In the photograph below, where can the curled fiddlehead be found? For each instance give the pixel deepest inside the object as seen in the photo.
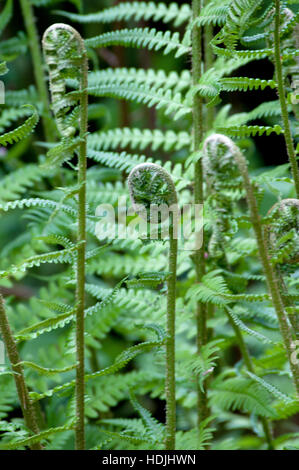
(65, 55)
(271, 278)
(221, 173)
(150, 185)
(282, 235)
(66, 58)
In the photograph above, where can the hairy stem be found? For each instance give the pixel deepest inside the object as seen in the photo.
(282, 99)
(198, 196)
(27, 407)
(34, 44)
(170, 346)
(271, 279)
(80, 293)
(208, 64)
(248, 363)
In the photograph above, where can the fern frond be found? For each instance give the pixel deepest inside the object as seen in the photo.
(22, 131)
(271, 388)
(13, 47)
(195, 439)
(142, 37)
(139, 139)
(267, 109)
(21, 97)
(154, 430)
(121, 361)
(62, 256)
(5, 15)
(45, 326)
(238, 21)
(28, 441)
(168, 101)
(3, 68)
(47, 371)
(136, 11)
(214, 13)
(248, 131)
(36, 202)
(246, 329)
(10, 115)
(19, 181)
(242, 394)
(62, 152)
(149, 77)
(245, 83)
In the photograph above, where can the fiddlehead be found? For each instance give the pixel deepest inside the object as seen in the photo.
(66, 57)
(149, 184)
(64, 53)
(283, 233)
(272, 281)
(282, 236)
(220, 172)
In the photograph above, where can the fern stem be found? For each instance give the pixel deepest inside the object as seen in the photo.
(15, 360)
(170, 345)
(282, 99)
(248, 363)
(208, 64)
(145, 182)
(80, 293)
(271, 279)
(198, 196)
(27, 12)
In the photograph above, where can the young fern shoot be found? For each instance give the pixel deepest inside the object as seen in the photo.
(282, 237)
(27, 407)
(66, 57)
(214, 147)
(151, 188)
(198, 130)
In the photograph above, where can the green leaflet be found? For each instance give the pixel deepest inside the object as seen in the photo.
(37, 438)
(22, 131)
(122, 360)
(137, 11)
(139, 37)
(62, 256)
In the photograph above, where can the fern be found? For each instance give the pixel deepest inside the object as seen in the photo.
(139, 37)
(22, 131)
(137, 11)
(77, 295)
(138, 139)
(242, 394)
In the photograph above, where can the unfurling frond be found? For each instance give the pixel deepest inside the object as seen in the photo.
(65, 55)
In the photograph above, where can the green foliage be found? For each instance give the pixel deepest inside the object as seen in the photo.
(141, 112)
(142, 37)
(137, 11)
